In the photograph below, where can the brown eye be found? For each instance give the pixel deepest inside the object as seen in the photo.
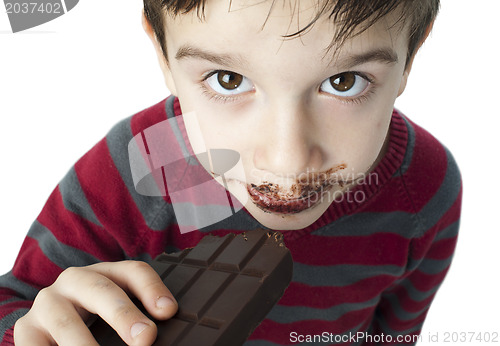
(227, 83)
(346, 84)
(229, 80)
(343, 82)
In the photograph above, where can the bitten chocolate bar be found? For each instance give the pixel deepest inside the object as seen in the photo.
(225, 287)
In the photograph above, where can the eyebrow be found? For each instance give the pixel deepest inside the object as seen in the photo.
(187, 51)
(381, 55)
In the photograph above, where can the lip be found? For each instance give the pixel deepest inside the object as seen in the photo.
(307, 192)
(275, 205)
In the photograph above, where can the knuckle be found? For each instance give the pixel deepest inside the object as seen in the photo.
(43, 296)
(139, 266)
(64, 321)
(102, 283)
(124, 312)
(69, 274)
(21, 323)
(154, 286)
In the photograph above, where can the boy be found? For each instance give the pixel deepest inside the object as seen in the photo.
(303, 93)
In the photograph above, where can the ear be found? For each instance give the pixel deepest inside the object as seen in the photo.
(406, 73)
(164, 65)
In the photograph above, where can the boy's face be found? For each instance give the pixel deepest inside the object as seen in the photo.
(305, 125)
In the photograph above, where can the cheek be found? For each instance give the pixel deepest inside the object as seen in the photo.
(374, 143)
(224, 134)
(358, 143)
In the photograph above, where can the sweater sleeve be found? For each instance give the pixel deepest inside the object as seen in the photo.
(86, 219)
(403, 307)
(63, 235)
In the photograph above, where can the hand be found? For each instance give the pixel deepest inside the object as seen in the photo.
(60, 311)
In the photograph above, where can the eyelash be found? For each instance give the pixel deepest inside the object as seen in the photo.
(212, 96)
(216, 97)
(369, 91)
(355, 101)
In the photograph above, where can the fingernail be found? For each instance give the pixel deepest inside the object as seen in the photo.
(164, 302)
(137, 328)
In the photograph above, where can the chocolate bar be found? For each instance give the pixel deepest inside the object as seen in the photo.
(225, 287)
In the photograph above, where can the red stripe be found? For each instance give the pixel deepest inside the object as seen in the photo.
(280, 333)
(41, 272)
(8, 337)
(442, 249)
(420, 246)
(397, 324)
(12, 307)
(329, 296)
(84, 235)
(375, 249)
(148, 117)
(393, 197)
(453, 214)
(410, 305)
(177, 107)
(109, 198)
(427, 169)
(425, 282)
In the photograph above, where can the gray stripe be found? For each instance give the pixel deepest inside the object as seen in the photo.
(448, 232)
(145, 257)
(433, 266)
(74, 199)
(342, 274)
(198, 216)
(22, 289)
(8, 321)
(444, 198)
(11, 300)
(169, 106)
(388, 331)
(409, 149)
(58, 253)
(400, 313)
(290, 314)
(430, 266)
(414, 293)
(365, 224)
(156, 212)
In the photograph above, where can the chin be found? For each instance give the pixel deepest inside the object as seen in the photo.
(283, 222)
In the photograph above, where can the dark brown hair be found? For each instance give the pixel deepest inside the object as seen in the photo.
(352, 17)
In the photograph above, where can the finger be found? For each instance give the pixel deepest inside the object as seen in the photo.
(65, 324)
(27, 335)
(99, 295)
(142, 281)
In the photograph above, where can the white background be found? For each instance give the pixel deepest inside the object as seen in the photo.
(64, 84)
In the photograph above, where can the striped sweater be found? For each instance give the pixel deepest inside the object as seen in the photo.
(365, 272)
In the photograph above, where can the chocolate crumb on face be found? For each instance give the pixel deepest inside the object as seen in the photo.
(271, 197)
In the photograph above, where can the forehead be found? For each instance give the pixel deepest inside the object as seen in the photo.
(269, 26)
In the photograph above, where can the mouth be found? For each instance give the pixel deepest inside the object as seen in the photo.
(273, 202)
(306, 193)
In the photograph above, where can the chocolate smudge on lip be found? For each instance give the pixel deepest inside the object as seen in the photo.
(275, 199)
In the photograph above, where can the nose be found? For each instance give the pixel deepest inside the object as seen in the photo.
(288, 144)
